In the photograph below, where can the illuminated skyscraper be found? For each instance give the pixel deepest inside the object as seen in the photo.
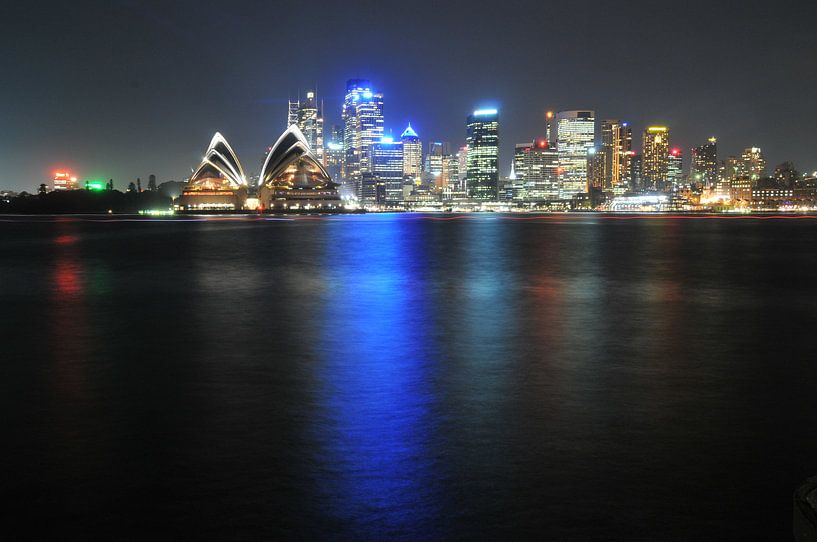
(333, 154)
(433, 167)
(482, 178)
(549, 117)
(310, 121)
(616, 147)
(535, 166)
(655, 158)
(292, 112)
(387, 166)
(448, 165)
(726, 173)
(576, 134)
(596, 170)
(753, 163)
(675, 167)
(636, 181)
(412, 153)
(705, 164)
(453, 181)
(363, 126)
(459, 184)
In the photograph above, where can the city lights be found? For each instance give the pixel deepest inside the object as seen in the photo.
(583, 163)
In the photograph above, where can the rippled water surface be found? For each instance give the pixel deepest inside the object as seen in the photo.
(400, 376)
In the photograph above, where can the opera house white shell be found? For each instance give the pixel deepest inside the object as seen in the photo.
(292, 178)
(218, 183)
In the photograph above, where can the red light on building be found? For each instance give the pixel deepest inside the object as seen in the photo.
(542, 143)
(676, 152)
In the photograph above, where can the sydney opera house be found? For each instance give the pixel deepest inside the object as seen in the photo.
(291, 178)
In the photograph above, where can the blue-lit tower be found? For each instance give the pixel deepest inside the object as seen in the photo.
(363, 126)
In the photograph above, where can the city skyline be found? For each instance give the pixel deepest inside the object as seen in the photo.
(115, 102)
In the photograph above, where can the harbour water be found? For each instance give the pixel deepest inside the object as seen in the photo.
(566, 377)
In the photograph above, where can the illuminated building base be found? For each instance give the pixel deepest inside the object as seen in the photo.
(212, 200)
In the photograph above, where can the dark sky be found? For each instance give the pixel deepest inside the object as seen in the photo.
(125, 88)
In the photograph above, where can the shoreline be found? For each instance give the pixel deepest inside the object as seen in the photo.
(249, 216)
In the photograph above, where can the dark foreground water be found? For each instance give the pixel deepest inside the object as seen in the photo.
(369, 377)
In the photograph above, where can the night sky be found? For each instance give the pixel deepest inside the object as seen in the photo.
(125, 88)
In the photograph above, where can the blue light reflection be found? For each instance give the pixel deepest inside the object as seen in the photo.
(375, 381)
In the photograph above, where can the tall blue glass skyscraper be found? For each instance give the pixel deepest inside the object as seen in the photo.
(363, 126)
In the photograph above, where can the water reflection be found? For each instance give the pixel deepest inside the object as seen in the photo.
(374, 382)
(67, 326)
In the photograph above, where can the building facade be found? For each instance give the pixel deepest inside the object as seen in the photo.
(704, 170)
(333, 151)
(576, 135)
(482, 138)
(636, 182)
(388, 167)
(596, 170)
(535, 168)
(310, 122)
(362, 127)
(412, 153)
(655, 158)
(616, 148)
(675, 168)
(753, 163)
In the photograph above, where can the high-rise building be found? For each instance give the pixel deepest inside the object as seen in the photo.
(433, 167)
(730, 169)
(704, 169)
(616, 147)
(460, 184)
(535, 167)
(388, 167)
(549, 117)
(372, 189)
(292, 112)
(363, 126)
(596, 170)
(310, 121)
(453, 180)
(636, 180)
(576, 135)
(412, 153)
(787, 175)
(482, 178)
(333, 154)
(447, 164)
(655, 157)
(514, 186)
(754, 164)
(675, 167)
